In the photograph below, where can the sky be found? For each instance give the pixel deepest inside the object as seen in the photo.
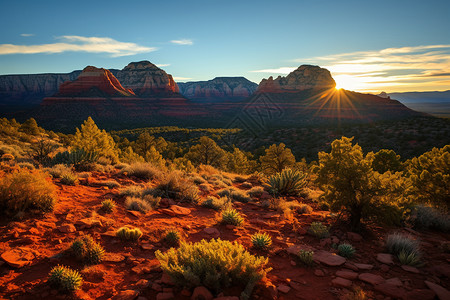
(369, 46)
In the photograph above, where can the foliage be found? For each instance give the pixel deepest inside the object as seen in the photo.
(42, 148)
(410, 259)
(141, 204)
(351, 185)
(287, 182)
(207, 152)
(129, 234)
(134, 191)
(69, 178)
(108, 206)
(397, 242)
(30, 127)
(276, 159)
(239, 162)
(78, 158)
(256, 191)
(430, 176)
(26, 165)
(306, 257)
(215, 264)
(261, 241)
(177, 186)
(65, 279)
(172, 237)
(216, 203)
(427, 217)
(26, 190)
(142, 170)
(232, 217)
(386, 160)
(87, 250)
(346, 250)
(240, 196)
(303, 208)
(319, 230)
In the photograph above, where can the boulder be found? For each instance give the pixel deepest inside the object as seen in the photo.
(385, 258)
(201, 293)
(347, 274)
(373, 279)
(126, 295)
(67, 228)
(329, 259)
(18, 257)
(441, 292)
(283, 288)
(341, 282)
(176, 211)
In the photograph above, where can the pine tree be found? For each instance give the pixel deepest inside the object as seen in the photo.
(277, 159)
(207, 152)
(30, 127)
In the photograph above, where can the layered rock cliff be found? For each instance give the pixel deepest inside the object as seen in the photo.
(218, 89)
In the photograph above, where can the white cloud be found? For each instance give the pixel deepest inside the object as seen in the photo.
(162, 65)
(182, 42)
(79, 44)
(27, 34)
(181, 78)
(282, 70)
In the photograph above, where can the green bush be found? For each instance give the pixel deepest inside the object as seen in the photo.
(58, 170)
(129, 234)
(410, 259)
(232, 217)
(108, 206)
(240, 196)
(256, 191)
(215, 264)
(306, 257)
(319, 230)
(65, 279)
(69, 178)
(261, 241)
(216, 203)
(26, 190)
(346, 250)
(142, 170)
(87, 250)
(176, 186)
(76, 157)
(287, 182)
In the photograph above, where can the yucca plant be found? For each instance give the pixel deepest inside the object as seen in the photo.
(69, 178)
(410, 259)
(108, 206)
(172, 237)
(232, 217)
(287, 182)
(64, 279)
(306, 257)
(319, 230)
(129, 234)
(75, 157)
(87, 250)
(261, 241)
(346, 250)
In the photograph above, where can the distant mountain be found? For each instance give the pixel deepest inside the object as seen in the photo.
(218, 89)
(420, 97)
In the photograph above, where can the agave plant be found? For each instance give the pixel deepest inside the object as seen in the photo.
(261, 241)
(75, 157)
(287, 182)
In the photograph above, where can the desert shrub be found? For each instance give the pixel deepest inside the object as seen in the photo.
(318, 230)
(108, 206)
(133, 191)
(287, 182)
(26, 165)
(226, 192)
(216, 203)
(204, 187)
(410, 259)
(306, 257)
(427, 217)
(397, 242)
(172, 237)
(256, 191)
(26, 190)
(69, 178)
(276, 159)
(142, 170)
(87, 250)
(58, 170)
(303, 208)
(176, 186)
(215, 264)
(356, 294)
(121, 166)
(84, 174)
(246, 185)
(232, 217)
(7, 157)
(346, 250)
(129, 234)
(261, 241)
(153, 201)
(138, 204)
(104, 161)
(240, 196)
(64, 279)
(79, 158)
(386, 160)
(240, 179)
(109, 183)
(198, 180)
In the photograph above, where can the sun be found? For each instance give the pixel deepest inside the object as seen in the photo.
(344, 82)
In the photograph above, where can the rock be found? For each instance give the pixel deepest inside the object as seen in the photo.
(157, 287)
(134, 213)
(147, 246)
(363, 266)
(394, 281)
(385, 258)
(88, 223)
(371, 278)
(201, 293)
(354, 237)
(329, 259)
(18, 257)
(283, 288)
(410, 269)
(67, 228)
(347, 274)
(229, 226)
(384, 268)
(341, 282)
(34, 231)
(319, 273)
(113, 257)
(166, 279)
(185, 292)
(423, 294)
(334, 240)
(227, 298)
(391, 290)
(295, 249)
(325, 242)
(441, 292)
(126, 295)
(165, 296)
(214, 232)
(175, 210)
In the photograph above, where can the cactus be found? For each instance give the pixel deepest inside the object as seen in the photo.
(65, 279)
(129, 234)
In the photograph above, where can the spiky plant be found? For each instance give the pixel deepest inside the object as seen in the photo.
(65, 279)
(319, 230)
(287, 182)
(75, 157)
(232, 217)
(306, 257)
(87, 250)
(129, 234)
(397, 242)
(346, 250)
(69, 178)
(410, 259)
(108, 206)
(172, 237)
(261, 241)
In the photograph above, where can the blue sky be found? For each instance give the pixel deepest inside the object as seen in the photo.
(367, 45)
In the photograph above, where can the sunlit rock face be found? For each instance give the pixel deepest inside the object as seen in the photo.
(303, 78)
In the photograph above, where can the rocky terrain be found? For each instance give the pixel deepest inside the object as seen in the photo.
(218, 89)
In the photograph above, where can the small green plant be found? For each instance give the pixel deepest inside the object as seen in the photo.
(410, 259)
(87, 250)
(216, 203)
(215, 264)
(65, 279)
(287, 182)
(346, 250)
(108, 206)
(138, 204)
(240, 196)
(306, 257)
(129, 234)
(172, 237)
(232, 217)
(319, 230)
(261, 241)
(256, 191)
(404, 247)
(69, 178)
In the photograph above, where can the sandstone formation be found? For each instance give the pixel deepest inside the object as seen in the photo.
(303, 78)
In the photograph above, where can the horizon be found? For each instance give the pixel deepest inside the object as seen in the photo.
(198, 41)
